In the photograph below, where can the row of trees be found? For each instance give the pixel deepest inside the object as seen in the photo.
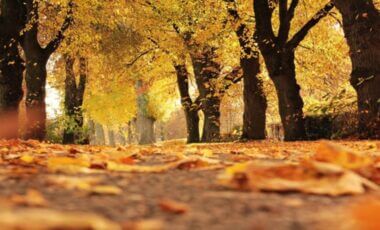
(196, 39)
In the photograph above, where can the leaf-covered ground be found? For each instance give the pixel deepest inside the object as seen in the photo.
(261, 185)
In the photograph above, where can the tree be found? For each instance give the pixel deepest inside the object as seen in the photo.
(361, 24)
(74, 93)
(11, 66)
(255, 103)
(190, 107)
(278, 51)
(36, 61)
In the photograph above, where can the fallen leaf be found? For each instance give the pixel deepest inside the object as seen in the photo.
(105, 189)
(143, 225)
(311, 177)
(87, 184)
(45, 219)
(339, 155)
(172, 206)
(31, 198)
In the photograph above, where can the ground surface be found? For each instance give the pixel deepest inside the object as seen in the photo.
(148, 189)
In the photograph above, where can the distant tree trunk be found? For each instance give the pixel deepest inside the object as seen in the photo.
(36, 60)
(145, 123)
(278, 52)
(74, 94)
(11, 67)
(361, 24)
(111, 138)
(189, 107)
(130, 134)
(206, 70)
(255, 103)
(99, 134)
(146, 130)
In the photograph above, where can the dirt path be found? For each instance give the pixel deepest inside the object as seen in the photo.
(209, 205)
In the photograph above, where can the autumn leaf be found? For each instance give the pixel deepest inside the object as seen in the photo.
(339, 155)
(312, 178)
(50, 219)
(172, 206)
(31, 198)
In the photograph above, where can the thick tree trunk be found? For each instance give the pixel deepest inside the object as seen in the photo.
(11, 74)
(281, 69)
(211, 127)
(361, 23)
(189, 107)
(36, 60)
(11, 67)
(255, 103)
(35, 97)
(206, 70)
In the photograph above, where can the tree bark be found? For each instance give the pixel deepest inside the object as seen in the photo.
(35, 97)
(278, 52)
(74, 94)
(36, 60)
(281, 69)
(11, 67)
(361, 24)
(206, 70)
(255, 102)
(189, 107)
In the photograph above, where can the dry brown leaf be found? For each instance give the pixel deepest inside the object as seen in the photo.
(31, 198)
(187, 163)
(45, 219)
(143, 225)
(174, 207)
(312, 177)
(87, 184)
(339, 155)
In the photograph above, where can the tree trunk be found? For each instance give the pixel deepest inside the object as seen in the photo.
(361, 24)
(99, 134)
(35, 97)
(70, 96)
(255, 103)
(11, 68)
(146, 130)
(211, 128)
(11, 74)
(281, 69)
(74, 94)
(190, 109)
(206, 70)
(145, 123)
(36, 60)
(111, 137)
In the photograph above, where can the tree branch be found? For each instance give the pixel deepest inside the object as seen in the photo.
(263, 15)
(54, 44)
(301, 34)
(132, 62)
